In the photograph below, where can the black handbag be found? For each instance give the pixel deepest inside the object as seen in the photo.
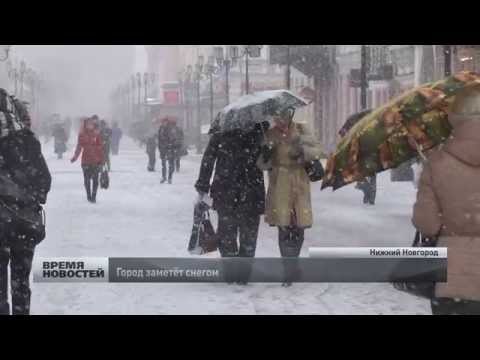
(27, 224)
(421, 289)
(203, 239)
(314, 170)
(104, 179)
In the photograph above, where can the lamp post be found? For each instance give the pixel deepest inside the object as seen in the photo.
(224, 62)
(145, 83)
(198, 76)
(132, 94)
(23, 70)
(363, 77)
(187, 84)
(248, 51)
(288, 69)
(447, 52)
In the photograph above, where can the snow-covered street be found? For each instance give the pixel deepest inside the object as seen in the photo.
(139, 217)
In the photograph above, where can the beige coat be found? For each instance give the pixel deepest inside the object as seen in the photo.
(288, 196)
(448, 204)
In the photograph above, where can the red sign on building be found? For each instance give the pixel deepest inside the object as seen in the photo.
(171, 97)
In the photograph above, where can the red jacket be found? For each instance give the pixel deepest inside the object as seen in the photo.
(90, 141)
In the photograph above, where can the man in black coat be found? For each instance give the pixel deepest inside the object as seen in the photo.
(237, 189)
(26, 182)
(168, 139)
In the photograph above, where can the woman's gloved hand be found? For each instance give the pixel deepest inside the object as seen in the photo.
(267, 151)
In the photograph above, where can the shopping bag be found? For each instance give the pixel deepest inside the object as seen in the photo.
(104, 179)
(203, 239)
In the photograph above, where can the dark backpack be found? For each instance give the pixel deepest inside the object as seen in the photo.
(23, 167)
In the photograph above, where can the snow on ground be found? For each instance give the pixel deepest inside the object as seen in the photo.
(139, 217)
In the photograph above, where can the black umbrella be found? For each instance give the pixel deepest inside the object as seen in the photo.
(255, 108)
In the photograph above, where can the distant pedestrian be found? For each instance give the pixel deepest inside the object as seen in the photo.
(179, 148)
(116, 137)
(106, 133)
(90, 145)
(151, 148)
(60, 139)
(168, 146)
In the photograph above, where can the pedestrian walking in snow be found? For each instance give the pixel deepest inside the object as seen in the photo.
(288, 148)
(447, 207)
(168, 138)
(151, 149)
(116, 137)
(25, 182)
(179, 148)
(90, 146)
(237, 189)
(106, 133)
(60, 140)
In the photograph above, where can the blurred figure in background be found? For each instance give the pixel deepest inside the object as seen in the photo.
(60, 139)
(116, 137)
(179, 148)
(168, 138)
(106, 133)
(151, 148)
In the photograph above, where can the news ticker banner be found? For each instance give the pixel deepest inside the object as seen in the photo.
(323, 265)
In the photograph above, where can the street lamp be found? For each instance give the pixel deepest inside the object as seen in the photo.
(132, 94)
(4, 51)
(23, 70)
(223, 62)
(145, 83)
(248, 51)
(187, 94)
(139, 88)
(198, 76)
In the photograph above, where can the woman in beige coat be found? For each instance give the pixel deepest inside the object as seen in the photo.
(288, 148)
(448, 206)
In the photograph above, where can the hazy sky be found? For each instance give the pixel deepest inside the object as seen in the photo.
(82, 76)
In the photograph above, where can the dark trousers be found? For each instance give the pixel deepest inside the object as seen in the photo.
(90, 178)
(115, 147)
(369, 189)
(170, 158)
(290, 241)
(446, 306)
(177, 163)
(152, 159)
(20, 260)
(245, 228)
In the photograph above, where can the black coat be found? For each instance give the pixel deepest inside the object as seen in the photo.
(21, 158)
(170, 138)
(237, 186)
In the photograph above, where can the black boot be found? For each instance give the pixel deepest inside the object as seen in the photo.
(89, 194)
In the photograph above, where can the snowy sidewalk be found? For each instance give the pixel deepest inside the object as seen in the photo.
(139, 217)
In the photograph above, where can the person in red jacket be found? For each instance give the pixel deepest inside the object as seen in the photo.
(90, 145)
